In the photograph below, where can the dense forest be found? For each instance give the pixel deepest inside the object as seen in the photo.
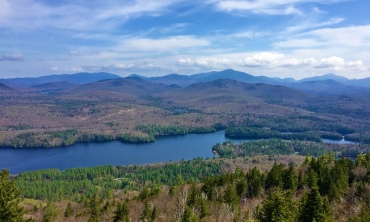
(143, 134)
(74, 184)
(320, 189)
(284, 147)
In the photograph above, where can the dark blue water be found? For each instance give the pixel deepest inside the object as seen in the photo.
(114, 152)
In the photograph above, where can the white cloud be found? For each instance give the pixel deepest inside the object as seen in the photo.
(269, 7)
(338, 63)
(11, 57)
(73, 52)
(54, 68)
(76, 69)
(163, 44)
(248, 34)
(270, 60)
(205, 62)
(313, 24)
(76, 15)
(353, 36)
(261, 59)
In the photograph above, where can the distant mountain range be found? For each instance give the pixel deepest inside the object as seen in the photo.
(329, 76)
(54, 86)
(325, 84)
(78, 79)
(185, 80)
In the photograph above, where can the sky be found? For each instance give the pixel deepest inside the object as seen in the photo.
(275, 38)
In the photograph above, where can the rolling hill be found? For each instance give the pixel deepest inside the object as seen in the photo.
(359, 82)
(327, 86)
(185, 80)
(78, 78)
(4, 87)
(328, 76)
(54, 86)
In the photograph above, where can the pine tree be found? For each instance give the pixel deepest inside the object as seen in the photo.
(241, 188)
(312, 207)
(51, 212)
(144, 194)
(94, 208)
(145, 215)
(9, 199)
(274, 176)
(301, 180)
(307, 160)
(254, 182)
(324, 181)
(122, 213)
(334, 193)
(204, 210)
(311, 178)
(69, 211)
(189, 216)
(193, 196)
(279, 206)
(231, 196)
(290, 178)
(340, 178)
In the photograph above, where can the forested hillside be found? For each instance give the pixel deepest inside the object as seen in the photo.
(317, 189)
(120, 108)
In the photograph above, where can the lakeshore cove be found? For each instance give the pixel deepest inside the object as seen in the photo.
(88, 154)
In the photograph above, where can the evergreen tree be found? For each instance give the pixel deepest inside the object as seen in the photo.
(290, 178)
(301, 180)
(274, 177)
(204, 210)
(9, 199)
(94, 208)
(189, 216)
(122, 213)
(279, 206)
(325, 181)
(311, 178)
(334, 193)
(254, 181)
(193, 196)
(69, 211)
(144, 194)
(312, 207)
(145, 215)
(51, 212)
(241, 188)
(340, 178)
(231, 196)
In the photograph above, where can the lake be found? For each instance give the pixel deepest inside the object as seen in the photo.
(114, 153)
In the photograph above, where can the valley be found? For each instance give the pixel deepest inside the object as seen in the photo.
(85, 151)
(116, 108)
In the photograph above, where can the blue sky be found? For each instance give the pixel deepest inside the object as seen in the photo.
(279, 38)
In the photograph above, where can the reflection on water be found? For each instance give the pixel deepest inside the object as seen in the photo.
(342, 141)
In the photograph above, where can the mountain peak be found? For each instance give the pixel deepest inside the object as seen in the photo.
(137, 75)
(327, 76)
